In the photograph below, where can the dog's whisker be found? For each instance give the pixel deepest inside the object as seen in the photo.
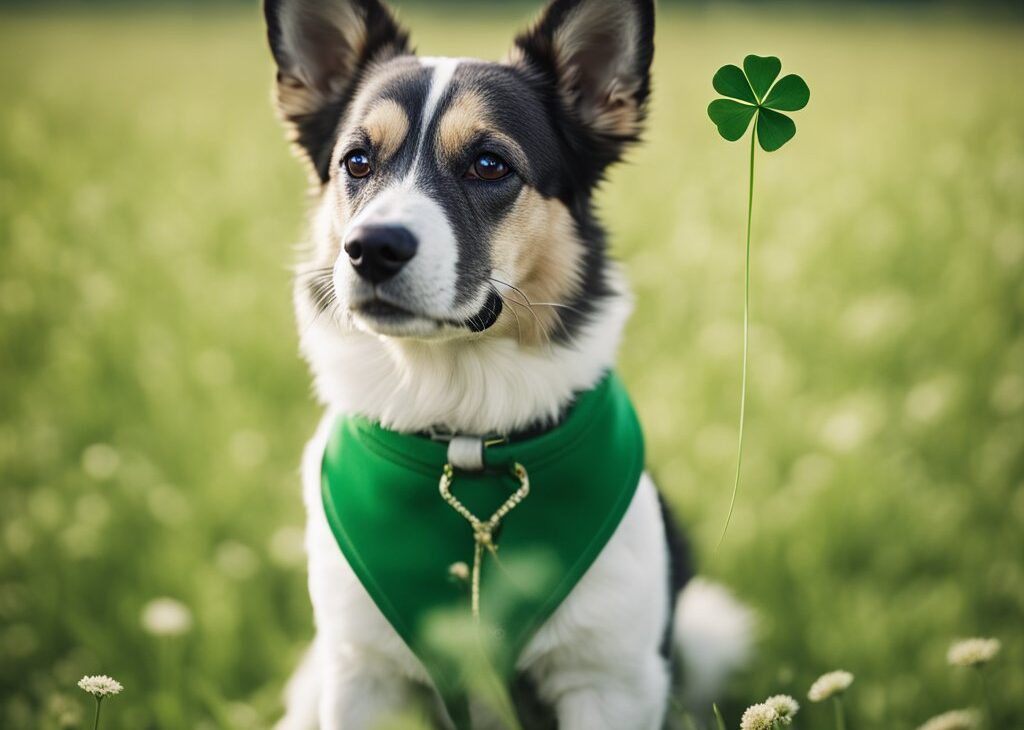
(314, 273)
(528, 308)
(545, 335)
(322, 303)
(519, 327)
(557, 305)
(513, 287)
(319, 283)
(532, 303)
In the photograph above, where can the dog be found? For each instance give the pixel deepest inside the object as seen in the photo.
(457, 278)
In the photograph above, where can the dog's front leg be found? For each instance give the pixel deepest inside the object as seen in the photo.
(358, 697)
(365, 668)
(597, 660)
(636, 702)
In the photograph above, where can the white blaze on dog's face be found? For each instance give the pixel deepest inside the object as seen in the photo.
(454, 193)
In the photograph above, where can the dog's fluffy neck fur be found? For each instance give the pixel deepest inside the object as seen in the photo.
(473, 386)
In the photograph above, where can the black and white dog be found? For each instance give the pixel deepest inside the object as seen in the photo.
(458, 277)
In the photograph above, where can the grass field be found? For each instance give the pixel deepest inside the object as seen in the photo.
(153, 408)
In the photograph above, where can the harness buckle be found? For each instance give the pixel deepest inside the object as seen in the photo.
(466, 453)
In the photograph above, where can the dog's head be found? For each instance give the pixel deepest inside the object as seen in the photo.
(455, 194)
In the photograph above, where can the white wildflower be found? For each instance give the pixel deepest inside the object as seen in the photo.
(166, 617)
(459, 571)
(759, 717)
(100, 686)
(785, 707)
(288, 547)
(954, 720)
(236, 560)
(845, 430)
(973, 652)
(100, 461)
(830, 685)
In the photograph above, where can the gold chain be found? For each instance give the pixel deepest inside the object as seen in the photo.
(483, 532)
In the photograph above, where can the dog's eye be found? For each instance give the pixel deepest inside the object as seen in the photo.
(358, 163)
(488, 166)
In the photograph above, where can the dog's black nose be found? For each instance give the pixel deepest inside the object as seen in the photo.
(379, 252)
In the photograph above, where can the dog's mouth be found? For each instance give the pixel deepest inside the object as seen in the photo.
(380, 310)
(487, 315)
(390, 318)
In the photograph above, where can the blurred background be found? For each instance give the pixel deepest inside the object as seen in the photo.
(153, 406)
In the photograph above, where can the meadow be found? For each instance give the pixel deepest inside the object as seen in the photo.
(153, 406)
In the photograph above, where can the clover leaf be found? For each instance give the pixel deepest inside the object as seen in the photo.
(751, 94)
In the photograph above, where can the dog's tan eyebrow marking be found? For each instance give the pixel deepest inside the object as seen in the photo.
(466, 119)
(462, 121)
(387, 126)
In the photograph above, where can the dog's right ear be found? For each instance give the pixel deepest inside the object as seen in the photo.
(322, 48)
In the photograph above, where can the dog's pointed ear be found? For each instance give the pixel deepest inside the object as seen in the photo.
(597, 54)
(321, 48)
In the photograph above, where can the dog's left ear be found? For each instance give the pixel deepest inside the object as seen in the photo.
(598, 54)
(322, 48)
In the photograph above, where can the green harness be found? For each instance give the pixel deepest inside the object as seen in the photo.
(384, 496)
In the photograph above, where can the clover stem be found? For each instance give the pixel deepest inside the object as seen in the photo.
(96, 718)
(840, 715)
(746, 334)
(986, 700)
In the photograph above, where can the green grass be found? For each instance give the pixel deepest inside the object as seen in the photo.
(153, 408)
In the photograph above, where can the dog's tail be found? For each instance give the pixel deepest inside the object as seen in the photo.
(714, 637)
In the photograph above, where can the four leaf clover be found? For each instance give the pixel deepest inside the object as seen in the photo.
(751, 94)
